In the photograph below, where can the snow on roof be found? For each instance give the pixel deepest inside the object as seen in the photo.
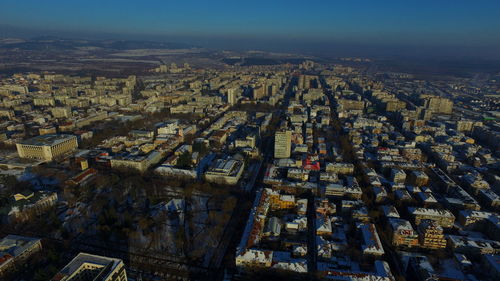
(173, 206)
(300, 250)
(400, 224)
(382, 272)
(288, 198)
(390, 211)
(426, 197)
(324, 224)
(256, 255)
(475, 214)
(430, 212)
(283, 260)
(14, 245)
(371, 240)
(83, 260)
(472, 242)
(413, 189)
(324, 248)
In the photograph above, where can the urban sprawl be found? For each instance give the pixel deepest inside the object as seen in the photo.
(303, 171)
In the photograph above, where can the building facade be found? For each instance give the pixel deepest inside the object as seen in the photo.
(15, 251)
(282, 144)
(444, 218)
(402, 233)
(47, 147)
(431, 235)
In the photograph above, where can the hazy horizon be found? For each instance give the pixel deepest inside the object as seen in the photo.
(424, 29)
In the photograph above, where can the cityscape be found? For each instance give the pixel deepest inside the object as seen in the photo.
(134, 158)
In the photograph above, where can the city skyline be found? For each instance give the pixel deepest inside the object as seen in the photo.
(258, 140)
(362, 28)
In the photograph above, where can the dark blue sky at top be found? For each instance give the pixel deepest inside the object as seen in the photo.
(459, 23)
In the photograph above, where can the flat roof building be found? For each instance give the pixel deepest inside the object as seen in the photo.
(47, 147)
(226, 171)
(138, 163)
(92, 267)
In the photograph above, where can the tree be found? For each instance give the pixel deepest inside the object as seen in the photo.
(53, 219)
(22, 186)
(139, 86)
(228, 204)
(201, 148)
(45, 273)
(180, 238)
(8, 181)
(184, 160)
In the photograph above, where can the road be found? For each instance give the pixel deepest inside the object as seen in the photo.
(234, 230)
(312, 248)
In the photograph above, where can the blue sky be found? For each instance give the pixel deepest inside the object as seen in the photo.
(403, 22)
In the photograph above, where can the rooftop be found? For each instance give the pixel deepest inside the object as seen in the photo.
(102, 263)
(12, 246)
(51, 139)
(431, 212)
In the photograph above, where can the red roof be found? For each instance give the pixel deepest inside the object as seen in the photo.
(311, 165)
(5, 258)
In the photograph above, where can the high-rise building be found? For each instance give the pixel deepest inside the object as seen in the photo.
(307, 82)
(60, 112)
(92, 267)
(259, 92)
(231, 96)
(437, 104)
(282, 144)
(272, 89)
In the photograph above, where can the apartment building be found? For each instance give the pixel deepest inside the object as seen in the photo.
(282, 144)
(402, 233)
(431, 235)
(444, 218)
